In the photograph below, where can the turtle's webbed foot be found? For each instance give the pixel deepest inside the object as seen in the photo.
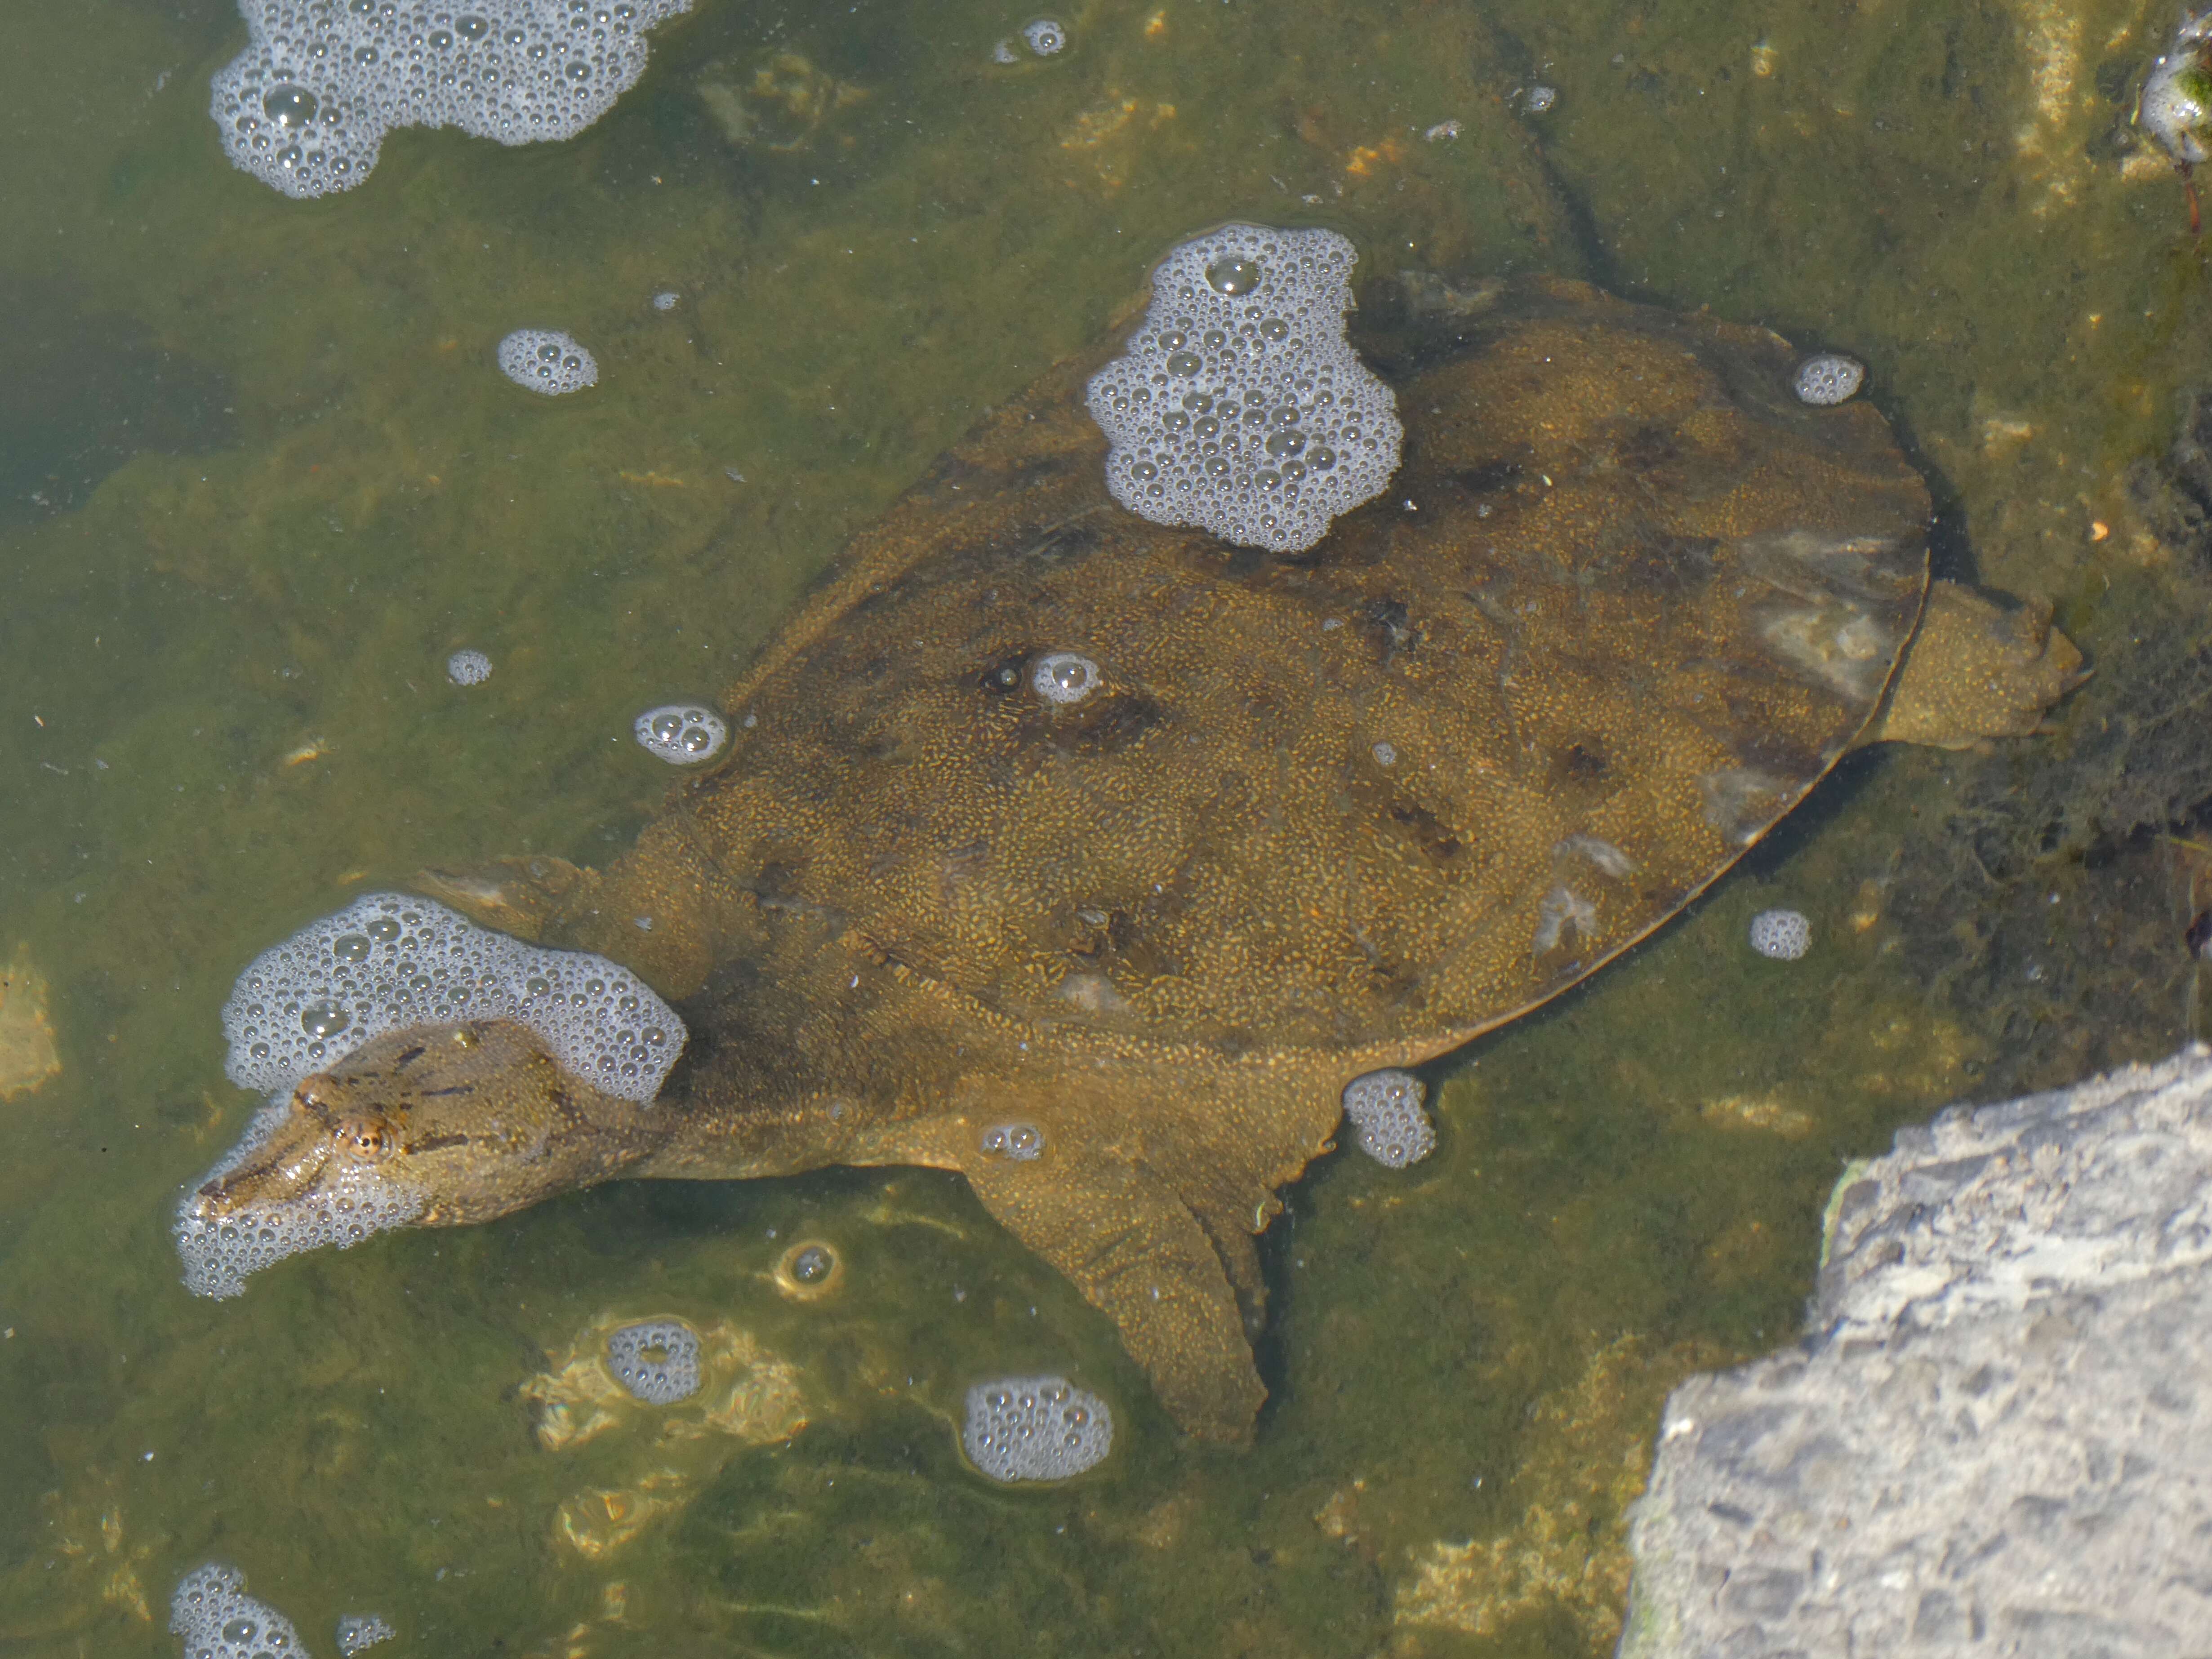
(1139, 1256)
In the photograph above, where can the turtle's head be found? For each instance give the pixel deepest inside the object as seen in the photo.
(431, 1126)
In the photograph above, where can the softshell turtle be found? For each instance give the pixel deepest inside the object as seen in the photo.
(1093, 858)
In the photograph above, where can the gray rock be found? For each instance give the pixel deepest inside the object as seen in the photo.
(1997, 1439)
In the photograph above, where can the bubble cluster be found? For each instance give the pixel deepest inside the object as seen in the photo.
(682, 733)
(1827, 378)
(1035, 1428)
(665, 300)
(1063, 677)
(468, 668)
(1385, 1109)
(1241, 407)
(547, 361)
(1018, 1141)
(1045, 36)
(357, 1630)
(388, 961)
(351, 1201)
(1783, 935)
(306, 105)
(656, 1359)
(219, 1620)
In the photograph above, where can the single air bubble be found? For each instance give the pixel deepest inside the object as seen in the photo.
(1045, 36)
(1274, 328)
(288, 106)
(351, 947)
(1061, 676)
(322, 1020)
(468, 668)
(1233, 275)
(683, 734)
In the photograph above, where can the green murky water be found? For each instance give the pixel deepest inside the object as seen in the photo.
(259, 477)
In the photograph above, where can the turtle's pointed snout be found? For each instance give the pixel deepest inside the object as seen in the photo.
(285, 1167)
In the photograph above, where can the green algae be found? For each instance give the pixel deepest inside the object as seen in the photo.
(225, 712)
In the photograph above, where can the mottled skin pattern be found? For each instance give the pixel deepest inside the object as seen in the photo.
(1625, 602)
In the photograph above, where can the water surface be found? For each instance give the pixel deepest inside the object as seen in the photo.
(259, 477)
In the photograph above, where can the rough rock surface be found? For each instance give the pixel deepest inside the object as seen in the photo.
(1998, 1438)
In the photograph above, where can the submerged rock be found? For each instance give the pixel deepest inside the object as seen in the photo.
(1995, 1441)
(28, 1054)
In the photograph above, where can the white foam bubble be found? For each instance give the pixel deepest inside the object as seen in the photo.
(468, 668)
(1063, 677)
(682, 733)
(1019, 1141)
(219, 1620)
(1781, 935)
(1241, 407)
(656, 1359)
(388, 961)
(547, 361)
(1045, 36)
(305, 107)
(1828, 378)
(1035, 1428)
(1385, 1110)
(357, 1630)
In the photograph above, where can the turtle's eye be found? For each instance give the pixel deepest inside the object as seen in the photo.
(367, 1139)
